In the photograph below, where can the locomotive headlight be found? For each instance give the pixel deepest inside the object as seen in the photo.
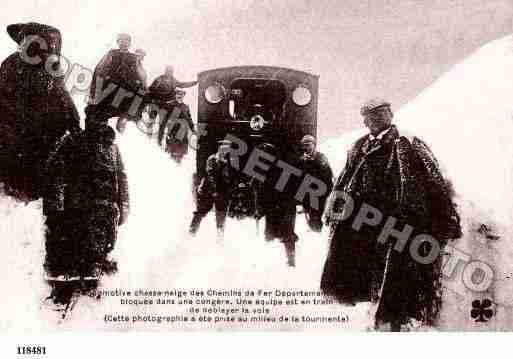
(214, 93)
(256, 123)
(301, 95)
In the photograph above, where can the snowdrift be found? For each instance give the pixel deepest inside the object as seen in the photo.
(155, 251)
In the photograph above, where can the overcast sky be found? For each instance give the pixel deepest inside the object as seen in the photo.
(360, 49)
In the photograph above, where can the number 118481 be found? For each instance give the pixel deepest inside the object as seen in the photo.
(31, 350)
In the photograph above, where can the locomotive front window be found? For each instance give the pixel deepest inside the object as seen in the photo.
(265, 97)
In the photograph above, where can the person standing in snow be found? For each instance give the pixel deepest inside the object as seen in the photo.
(215, 189)
(399, 177)
(36, 109)
(315, 164)
(277, 207)
(176, 127)
(85, 202)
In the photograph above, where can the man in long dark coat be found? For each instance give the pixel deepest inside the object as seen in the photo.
(35, 107)
(389, 177)
(85, 202)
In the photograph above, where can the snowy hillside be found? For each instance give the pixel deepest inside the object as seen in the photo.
(467, 119)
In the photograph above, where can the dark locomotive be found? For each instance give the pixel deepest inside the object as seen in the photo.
(258, 105)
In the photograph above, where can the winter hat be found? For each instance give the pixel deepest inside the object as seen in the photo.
(372, 105)
(50, 34)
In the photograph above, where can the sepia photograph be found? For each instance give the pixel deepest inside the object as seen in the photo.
(255, 166)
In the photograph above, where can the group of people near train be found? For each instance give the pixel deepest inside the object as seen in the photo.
(79, 175)
(163, 99)
(389, 210)
(222, 184)
(78, 172)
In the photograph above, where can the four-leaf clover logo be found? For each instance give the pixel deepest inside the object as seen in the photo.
(481, 310)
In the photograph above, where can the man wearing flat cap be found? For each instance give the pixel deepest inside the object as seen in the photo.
(215, 189)
(393, 179)
(316, 165)
(35, 107)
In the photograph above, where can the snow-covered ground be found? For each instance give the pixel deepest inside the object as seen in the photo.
(467, 119)
(154, 251)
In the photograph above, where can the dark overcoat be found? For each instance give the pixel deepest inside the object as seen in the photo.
(86, 200)
(35, 111)
(118, 72)
(400, 177)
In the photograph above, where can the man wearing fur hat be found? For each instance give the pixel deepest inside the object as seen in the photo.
(35, 107)
(394, 179)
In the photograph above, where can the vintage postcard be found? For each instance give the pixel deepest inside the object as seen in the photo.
(297, 166)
